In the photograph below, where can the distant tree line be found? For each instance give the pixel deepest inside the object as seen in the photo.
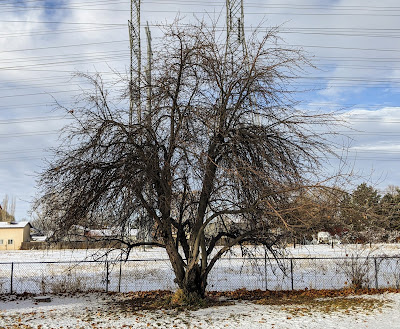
(362, 215)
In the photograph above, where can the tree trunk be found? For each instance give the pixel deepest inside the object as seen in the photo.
(194, 283)
(189, 279)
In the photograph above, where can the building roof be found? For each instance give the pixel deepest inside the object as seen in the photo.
(13, 224)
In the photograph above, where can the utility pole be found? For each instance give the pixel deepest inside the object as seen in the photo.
(149, 223)
(235, 27)
(235, 39)
(145, 223)
(148, 72)
(136, 61)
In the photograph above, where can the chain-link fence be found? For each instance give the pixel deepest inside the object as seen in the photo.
(228, 274)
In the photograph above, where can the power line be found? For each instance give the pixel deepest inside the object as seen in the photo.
(65, 46)
(47, 32)
(121, 52)
(301, 87)
(221, 3)
(355, 10)
(349, 119)
(30, 134)
(44, 93)
(387, 33)
(33, 119)
(76, 61)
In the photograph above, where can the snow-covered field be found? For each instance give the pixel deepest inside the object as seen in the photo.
(98, 311)
(314, 266)
(310, 251)
(148, 270)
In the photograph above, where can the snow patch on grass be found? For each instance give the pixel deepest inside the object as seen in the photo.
(97, 310)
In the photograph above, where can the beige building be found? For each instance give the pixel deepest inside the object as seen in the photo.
(13, 234)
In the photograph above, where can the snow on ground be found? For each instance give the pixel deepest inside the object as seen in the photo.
(341, 250)
(97, 310)
(67, 255)
(91, 310)
(308, 251)
(151, 270)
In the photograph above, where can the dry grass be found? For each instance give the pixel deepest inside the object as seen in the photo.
(294, 302)
(164, 299)
(345, 305)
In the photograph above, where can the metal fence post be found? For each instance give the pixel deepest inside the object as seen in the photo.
(12, 276)
(120, 274)
(107, 268)
(376, 273)
(265, 270)
(291, 272)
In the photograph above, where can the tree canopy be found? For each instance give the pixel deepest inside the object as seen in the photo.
(369, 216)
(212, 161)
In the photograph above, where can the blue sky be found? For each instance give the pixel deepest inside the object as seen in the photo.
(355, 45)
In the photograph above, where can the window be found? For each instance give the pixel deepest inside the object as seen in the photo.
(1, 242)
(10, 241)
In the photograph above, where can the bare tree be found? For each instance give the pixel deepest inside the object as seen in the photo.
(315, 210)
(7, 209)
(210, 165)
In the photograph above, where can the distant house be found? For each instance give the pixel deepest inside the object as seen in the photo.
(328, 238)
(12, 234)
(324, 237)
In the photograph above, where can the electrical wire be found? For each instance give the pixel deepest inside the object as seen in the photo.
(37, 63)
